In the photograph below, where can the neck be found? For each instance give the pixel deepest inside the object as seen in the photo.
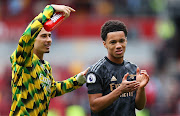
(118, 60)
(39, 55)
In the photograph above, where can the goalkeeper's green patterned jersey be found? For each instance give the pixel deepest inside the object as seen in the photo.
(32, 82)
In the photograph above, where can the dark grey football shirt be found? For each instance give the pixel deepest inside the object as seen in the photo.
(105, 76)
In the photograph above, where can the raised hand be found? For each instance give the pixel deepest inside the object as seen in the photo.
(62, 8)
(142, 77)
(128, 86)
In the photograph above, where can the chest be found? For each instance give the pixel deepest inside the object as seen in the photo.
(112, 77)
(116, 74)
(42, 73)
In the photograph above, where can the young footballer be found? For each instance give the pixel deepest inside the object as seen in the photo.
(115, 86)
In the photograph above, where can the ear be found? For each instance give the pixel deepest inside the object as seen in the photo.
(104, 43)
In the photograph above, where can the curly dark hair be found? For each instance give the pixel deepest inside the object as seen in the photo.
(112, 26)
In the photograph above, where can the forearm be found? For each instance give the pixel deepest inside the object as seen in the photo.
(36, 25)
(103, 102)
(61, 87)
(140, 98)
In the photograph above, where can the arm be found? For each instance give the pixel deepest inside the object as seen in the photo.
(59, 88)
(143, 78)
(99, 102)
(23, 54)
(24, 51)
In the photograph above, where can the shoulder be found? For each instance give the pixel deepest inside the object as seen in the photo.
(130, 66)
(95, 71)
(97, 66)
(12, 57)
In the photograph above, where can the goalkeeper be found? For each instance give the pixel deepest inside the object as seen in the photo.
(32, 82)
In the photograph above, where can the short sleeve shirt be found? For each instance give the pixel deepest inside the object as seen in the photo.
(105, 76)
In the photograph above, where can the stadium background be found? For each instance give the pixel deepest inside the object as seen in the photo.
(153, 44)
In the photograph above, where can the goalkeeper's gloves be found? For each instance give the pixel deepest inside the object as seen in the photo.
(81, 76)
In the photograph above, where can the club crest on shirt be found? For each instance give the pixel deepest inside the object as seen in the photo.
(131, 76)
(91, 78)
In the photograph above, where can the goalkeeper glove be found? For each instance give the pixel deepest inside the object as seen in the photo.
(81, 76)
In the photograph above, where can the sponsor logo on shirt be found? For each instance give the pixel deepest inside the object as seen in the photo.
(113, 78)
(132, 77)
(115, 85)
(45, 82)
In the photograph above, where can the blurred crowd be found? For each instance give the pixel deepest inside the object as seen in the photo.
(155, 22)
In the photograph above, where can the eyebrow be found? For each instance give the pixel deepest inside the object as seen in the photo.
(46, 34)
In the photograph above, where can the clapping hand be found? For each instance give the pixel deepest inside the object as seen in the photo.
(142, 77)
(128, 86)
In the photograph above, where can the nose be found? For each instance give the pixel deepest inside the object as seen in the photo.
(118, 45)
(49, 39)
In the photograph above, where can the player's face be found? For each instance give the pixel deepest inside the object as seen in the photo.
(43, 42)
(116, 45)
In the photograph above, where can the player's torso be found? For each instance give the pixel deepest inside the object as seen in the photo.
(43, 74)
(112, 75)
(32, 89)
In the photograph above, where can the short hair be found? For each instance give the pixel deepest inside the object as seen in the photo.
(112, 26)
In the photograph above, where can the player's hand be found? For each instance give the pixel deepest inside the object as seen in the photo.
(142, 77)
(66, 10)
(81, 76)
(128, 86)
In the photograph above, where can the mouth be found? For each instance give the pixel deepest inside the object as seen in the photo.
(119, 52)
(48, 46)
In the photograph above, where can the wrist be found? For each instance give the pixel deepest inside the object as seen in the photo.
(118, 92)
(53, 8)
(141, 88)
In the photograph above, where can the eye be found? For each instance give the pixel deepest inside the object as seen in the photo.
(112, 42)
(43, 35)
(122, 40)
